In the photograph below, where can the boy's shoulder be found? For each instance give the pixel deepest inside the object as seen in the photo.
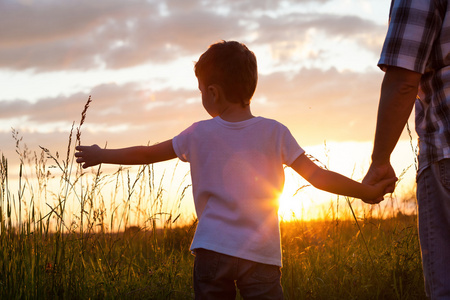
(216, 125)
(255, 120)
(257, 123)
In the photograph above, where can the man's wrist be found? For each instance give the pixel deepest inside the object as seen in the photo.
(378, 160)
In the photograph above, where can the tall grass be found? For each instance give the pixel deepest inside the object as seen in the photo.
(70, 234)
(327, 260)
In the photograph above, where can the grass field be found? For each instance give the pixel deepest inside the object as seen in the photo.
(322, 260)
(65, 234)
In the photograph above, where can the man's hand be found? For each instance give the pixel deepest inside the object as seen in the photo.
(377, 173)
(88, 155)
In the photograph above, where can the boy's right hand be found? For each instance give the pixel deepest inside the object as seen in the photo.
(88, 155)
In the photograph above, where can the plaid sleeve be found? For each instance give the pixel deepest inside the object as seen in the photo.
(413, 27)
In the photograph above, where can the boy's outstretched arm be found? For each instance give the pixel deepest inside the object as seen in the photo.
(139, 155)
(336, 183)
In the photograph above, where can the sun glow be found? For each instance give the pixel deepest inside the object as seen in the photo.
(301, 201)
(293, 204)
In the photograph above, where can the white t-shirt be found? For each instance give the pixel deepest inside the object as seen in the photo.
(237, 177)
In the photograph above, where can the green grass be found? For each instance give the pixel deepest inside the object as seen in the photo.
(66, 234)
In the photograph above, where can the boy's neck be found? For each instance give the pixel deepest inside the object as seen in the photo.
(236, 113)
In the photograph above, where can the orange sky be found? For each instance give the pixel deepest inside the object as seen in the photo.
(317, 64)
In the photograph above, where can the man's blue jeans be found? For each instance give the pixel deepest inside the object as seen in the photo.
(217, 275)
(433, 196)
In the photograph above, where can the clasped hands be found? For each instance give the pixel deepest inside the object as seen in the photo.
(376, 173)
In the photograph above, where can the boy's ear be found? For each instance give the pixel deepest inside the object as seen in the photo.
(214, 90)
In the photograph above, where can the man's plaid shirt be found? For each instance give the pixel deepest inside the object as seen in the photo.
(418, 39)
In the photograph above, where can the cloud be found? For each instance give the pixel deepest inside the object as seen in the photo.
(128, 105)
(297, 32)
(50, 20)
(52, 35)
(323, 105)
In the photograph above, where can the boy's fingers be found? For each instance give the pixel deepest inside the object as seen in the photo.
(82, 148)
(390, 188)
(373, 201)
(391, 182)
(389, 185)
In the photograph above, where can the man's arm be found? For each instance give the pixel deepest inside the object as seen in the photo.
(138, 155)
(398, 93)
(336, 183)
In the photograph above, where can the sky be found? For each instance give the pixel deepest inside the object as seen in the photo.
(317, 62)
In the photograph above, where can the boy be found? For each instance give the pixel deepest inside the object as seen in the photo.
(236, 163)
